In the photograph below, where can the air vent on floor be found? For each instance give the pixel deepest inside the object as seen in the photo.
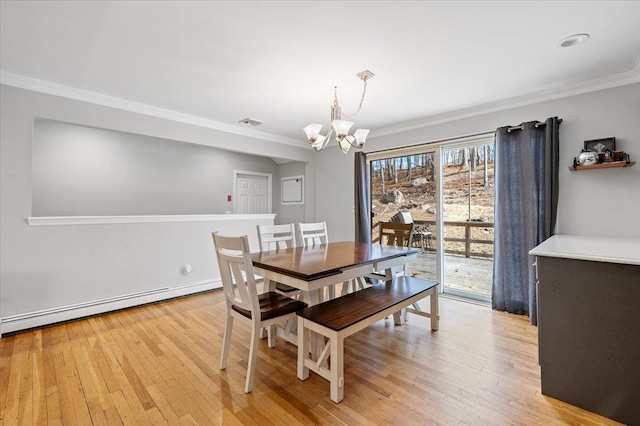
(251, 122)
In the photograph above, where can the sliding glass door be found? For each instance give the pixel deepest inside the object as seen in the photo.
(403, 189)
(468, 194)
(447, 191)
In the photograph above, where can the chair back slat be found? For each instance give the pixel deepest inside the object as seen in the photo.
(396, 234)
(314, 233)
(236, 271)
(276, 237)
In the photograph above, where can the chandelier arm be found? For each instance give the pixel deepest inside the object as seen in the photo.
(364, 92)
(328, 138)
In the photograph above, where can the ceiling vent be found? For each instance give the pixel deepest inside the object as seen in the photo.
(251, 121)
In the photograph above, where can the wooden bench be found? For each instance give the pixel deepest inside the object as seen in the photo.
(341, 317)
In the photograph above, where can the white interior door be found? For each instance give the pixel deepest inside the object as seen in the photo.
(252, 194)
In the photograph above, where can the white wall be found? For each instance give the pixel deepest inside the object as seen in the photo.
(45, 269)
(51, 267)
(592, 202)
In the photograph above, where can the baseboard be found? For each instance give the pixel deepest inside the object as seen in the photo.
(43, 317)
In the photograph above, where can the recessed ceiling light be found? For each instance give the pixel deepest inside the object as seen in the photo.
(574, 40)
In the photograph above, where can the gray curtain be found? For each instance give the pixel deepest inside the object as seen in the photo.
(526, 179)
(361, 201)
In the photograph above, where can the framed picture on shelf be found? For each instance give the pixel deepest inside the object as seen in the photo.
(600, 145)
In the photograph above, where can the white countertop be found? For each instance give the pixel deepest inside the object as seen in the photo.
(597, 249)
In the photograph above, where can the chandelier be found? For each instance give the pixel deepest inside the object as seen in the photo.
(338, 125)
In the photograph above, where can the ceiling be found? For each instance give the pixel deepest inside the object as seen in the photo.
(277, 61)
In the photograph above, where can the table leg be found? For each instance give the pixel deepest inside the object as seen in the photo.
(331, 292)
(316, 340)
(270, 285)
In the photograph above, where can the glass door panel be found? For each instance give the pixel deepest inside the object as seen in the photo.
(468, 194)
(404, 189)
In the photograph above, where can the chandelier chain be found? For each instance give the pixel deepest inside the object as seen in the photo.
(364, 92)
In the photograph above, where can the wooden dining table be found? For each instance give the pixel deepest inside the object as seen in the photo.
(312, 268)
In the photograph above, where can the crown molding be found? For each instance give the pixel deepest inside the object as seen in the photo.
(622, 79)
(55, 89)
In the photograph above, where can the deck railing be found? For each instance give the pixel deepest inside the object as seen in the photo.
(467, 240)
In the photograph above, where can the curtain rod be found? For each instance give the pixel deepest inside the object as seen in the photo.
(538, 124)
(439, 141)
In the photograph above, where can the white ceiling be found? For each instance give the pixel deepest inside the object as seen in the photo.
(278, 61)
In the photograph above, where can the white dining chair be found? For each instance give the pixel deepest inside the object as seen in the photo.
(313, 233)
(243, 301)
(279, 237)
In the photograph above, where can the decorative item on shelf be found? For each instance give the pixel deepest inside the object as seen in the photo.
(586, 158)
(620, 156)
(600, 145)
(602, 153)
(341, 127)
(614, 159)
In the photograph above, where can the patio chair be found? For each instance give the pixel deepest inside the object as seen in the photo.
(421, 233)
(394, 234)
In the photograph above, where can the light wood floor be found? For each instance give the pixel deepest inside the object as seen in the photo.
(159, 364)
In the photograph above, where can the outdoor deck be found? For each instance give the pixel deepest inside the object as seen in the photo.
(460, 273)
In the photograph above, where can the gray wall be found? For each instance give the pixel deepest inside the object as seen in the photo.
(51, 267)
(85, 171)
(592, 202)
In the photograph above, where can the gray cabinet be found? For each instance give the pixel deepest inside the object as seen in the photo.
(589, 333)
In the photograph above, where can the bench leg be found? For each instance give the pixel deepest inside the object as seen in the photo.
(337, 367)
(303, 350)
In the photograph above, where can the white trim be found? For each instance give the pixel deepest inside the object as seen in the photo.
(269, 189)
(622, 79)
(69, 312)
(96, 98)
(102, 220)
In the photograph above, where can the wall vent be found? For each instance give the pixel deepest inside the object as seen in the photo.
(251, 122)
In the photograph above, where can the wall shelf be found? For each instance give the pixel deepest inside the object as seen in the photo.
(604, 165)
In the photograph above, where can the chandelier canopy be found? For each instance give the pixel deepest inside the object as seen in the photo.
(338, 125)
